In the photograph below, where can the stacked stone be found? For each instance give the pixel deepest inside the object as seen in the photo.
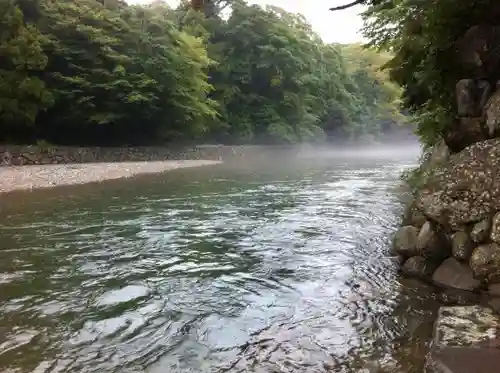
(451, 231)
(477, 93)
(465, 258)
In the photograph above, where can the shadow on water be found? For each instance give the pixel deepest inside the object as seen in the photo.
(245, 267)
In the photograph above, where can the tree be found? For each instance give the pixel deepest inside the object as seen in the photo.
(423, 36)
(106, 73)
(359, 2)
(22, 93)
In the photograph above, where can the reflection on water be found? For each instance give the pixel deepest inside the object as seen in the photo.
(224, 269)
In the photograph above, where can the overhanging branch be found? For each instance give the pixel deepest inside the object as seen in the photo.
(346, 6)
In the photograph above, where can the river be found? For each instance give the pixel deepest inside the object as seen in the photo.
(275, 267)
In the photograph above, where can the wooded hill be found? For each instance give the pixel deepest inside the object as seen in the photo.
(93, 72)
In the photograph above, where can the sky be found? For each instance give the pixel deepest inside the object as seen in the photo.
(341, 26)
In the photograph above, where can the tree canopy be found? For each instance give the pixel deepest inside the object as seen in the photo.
(423, 36)
(107, 73)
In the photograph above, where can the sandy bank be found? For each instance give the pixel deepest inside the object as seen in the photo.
(30, 177)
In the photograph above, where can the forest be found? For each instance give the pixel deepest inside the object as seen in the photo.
(103, 72)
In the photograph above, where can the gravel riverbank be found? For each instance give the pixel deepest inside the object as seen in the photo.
(31, 177)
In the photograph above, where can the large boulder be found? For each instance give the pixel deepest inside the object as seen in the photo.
(405, 241)
(453, 274)
(465, 189)
(485, 262)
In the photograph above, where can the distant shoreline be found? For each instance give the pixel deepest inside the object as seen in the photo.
(18, 178)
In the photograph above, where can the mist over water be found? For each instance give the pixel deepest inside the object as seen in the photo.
(268, 266)
(404, 150)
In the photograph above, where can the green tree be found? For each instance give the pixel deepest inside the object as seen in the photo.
(106, 73)
(22, 59)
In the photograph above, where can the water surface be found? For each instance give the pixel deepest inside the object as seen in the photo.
(279, 267)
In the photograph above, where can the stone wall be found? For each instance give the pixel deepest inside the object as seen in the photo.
(451, 230)
(14, 155)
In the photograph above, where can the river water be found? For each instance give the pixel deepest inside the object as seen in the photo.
(275, 267)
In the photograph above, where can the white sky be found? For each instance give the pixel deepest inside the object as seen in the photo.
(342, 26)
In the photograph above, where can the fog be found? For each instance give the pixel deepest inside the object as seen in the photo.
(406, 149)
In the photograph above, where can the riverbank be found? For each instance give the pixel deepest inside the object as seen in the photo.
(45, 176)
(24, 155)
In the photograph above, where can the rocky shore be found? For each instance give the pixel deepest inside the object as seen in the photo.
(450, 234)
(46, 154)
(451, 230)
(44, 165)
(45, 176)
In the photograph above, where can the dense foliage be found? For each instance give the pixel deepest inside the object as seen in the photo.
(104, 72)
(423, 36)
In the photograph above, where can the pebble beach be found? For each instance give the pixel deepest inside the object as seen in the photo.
(14, 178)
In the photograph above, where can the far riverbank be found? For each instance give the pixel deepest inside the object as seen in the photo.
(46, 176)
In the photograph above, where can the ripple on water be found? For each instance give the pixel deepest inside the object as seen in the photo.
(280, 271)
(123, 295)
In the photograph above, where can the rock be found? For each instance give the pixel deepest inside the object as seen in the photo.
(480, 231)
(425, 236)
(6, 159)
(418, 266)
(453, 274)
(494, 290)
(18, 161)
(471, 97)
(465, 131)
(461, 245)
(464, 326)
(413, 216)
(463, 360)
(405, 241)
(494, 303)
(485, 262)
(495, 228)
(464, 93)
(461, 335)
(478, 56)
(492, 112)
(30, 157)
(432, 244)
(464, 190)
